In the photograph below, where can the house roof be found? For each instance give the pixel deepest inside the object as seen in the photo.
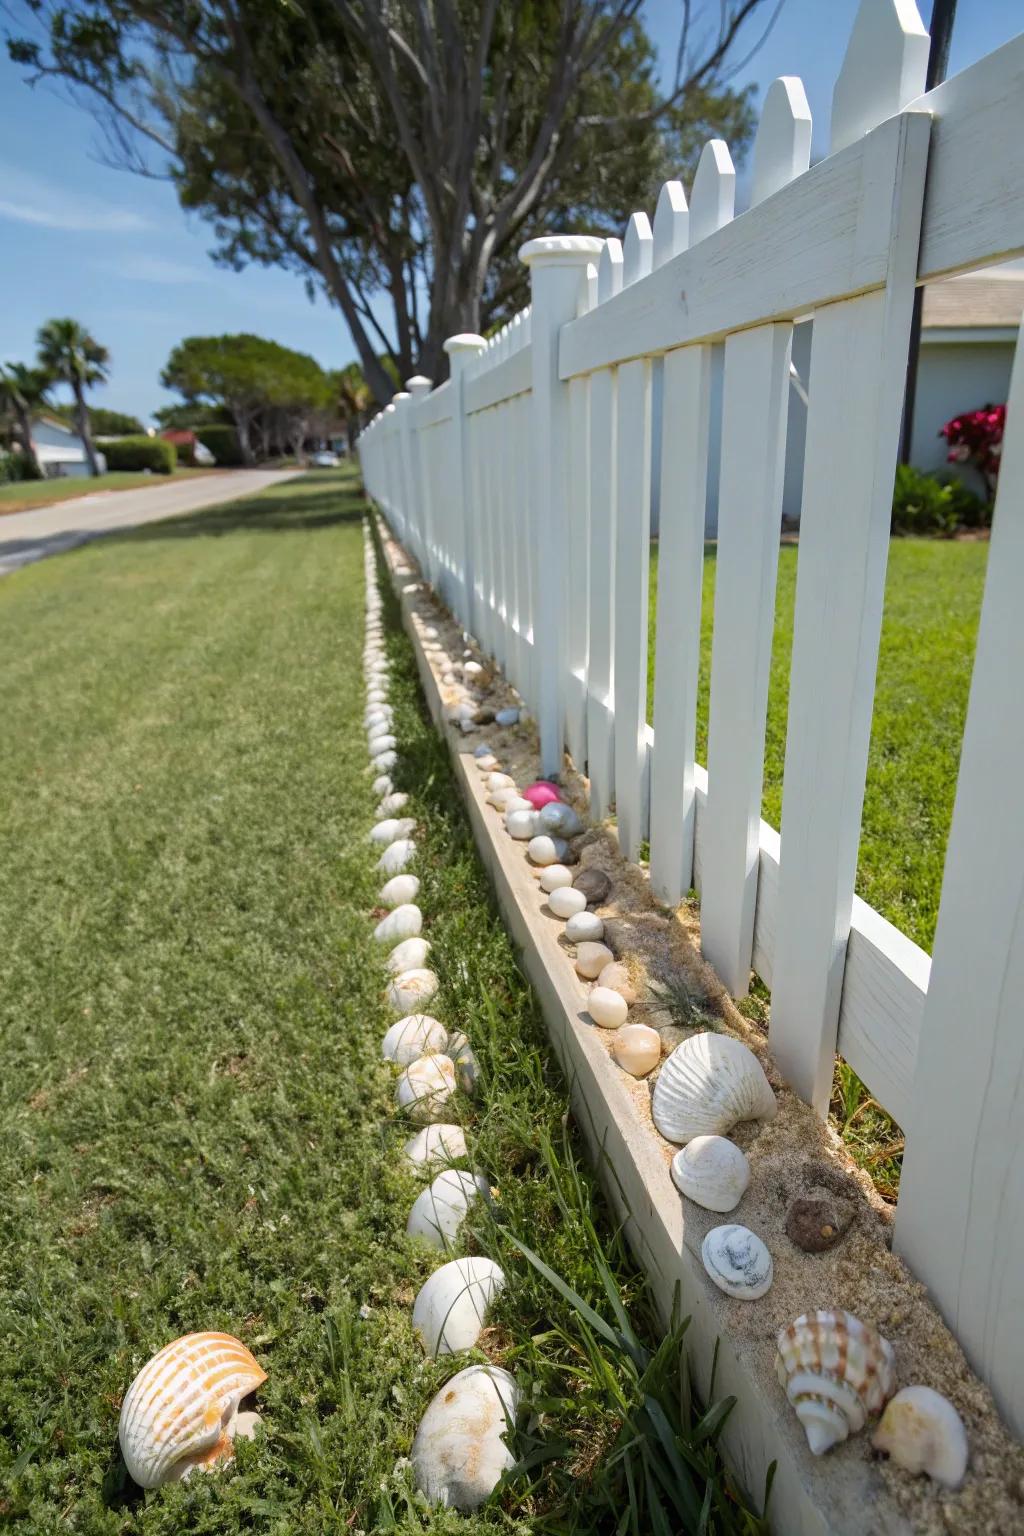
(55, 421)
(976, 301)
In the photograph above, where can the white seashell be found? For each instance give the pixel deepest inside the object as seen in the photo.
(409, 955)
(412, 1037)
(636, 1048)
(518, 803)
(472, 669)
(181, 1411)
(521, 824)
(439, 1211)
(922, 1432)
(482, 750)
(618, 978)
(606, 1007)
(448, 679)
(584, 927)
(384, 760)
(381, 745)
(385, 831)
(836, 1371)
(737, 1261)
(566, 901)
(397, 857)
(459, 1454)
(399, 890)
(392, 803)
(487, 762)
(712, 1172)
(544, 849)
(592, 959)
(425, 1087)
(506, 717)
(376, 695)
(435, 1144)
(554, 877)
(500, 798)
(709, 1084)
(411, 989)
(382, 785)
(375, 732)
(561, 818)
(403, 922)
(450, 1311)
(467, 1068)
(500, 781)
(379, 714)
(430, 632)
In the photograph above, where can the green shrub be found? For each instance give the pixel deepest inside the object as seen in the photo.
(16, 466)
(222, 443)
(922, 504)
(184, 452)
(140, 453)
(972, 510)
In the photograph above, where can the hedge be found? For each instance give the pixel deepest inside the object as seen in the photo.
(151, 453)
(222, 442)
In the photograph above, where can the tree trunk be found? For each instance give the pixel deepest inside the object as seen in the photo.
(28, 447)
(84, 431)
(297, 438)
(243, 429)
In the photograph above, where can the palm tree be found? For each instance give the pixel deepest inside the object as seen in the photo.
(354, 399)
(22, 394)
(74, 357)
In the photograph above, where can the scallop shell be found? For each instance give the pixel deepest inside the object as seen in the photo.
(181, 1410)
(544, 849)
(555, 877)
(451, 1309)
(403, 922)
(397, 857)
(399, 890)
(737, 1261)
(409, 955)
(459, 1454)
(636, 1048)
(416, 1035)
(712, 1172)
(439, 1210)
(425, 1087)
(411, 989)
(922, 1432)
(435, 1144)
(836, 1371)
(709, 1084)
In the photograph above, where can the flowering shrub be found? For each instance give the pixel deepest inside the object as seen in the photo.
(977, 438)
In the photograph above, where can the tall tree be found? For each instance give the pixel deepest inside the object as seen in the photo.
(354, 399)
(68, 353)
(23, 392)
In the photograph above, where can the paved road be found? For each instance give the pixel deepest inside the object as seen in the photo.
(28, 536)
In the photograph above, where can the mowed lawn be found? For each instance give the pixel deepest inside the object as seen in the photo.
(23, 495)
(932, 603)
(196, 1131)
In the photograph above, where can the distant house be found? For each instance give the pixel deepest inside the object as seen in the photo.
(182, 438)
(59, 448)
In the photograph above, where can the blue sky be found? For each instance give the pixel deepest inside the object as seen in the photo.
(78, 238)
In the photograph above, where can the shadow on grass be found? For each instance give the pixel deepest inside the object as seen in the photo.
(299, 512)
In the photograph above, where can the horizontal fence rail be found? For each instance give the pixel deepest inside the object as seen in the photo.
(523, 487)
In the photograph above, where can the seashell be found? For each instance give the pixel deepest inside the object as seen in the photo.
(595, 885)
(181, 1411)
(467, 1068)
(383, 760)
(487, 763)
(561, 819)
(483, 750)
(425, 1087)
(409, 955)
(836, 1371)
(553, 877)
(709, 1084)
(565, 902)
(412, 1037)
(439, 1210)
(397, 857)
(737, 1261)
(382, 785)
(399, 890)
(500, 798)
(377, 714)
(375, 732)
(816, 1225)
(617, 977)
(712, 1171)
(922, 1432)
(583, 927)
(376, 695)
(472, 669)
(500, 781)
(506, 717)
(606, 1007)
(382, 745)
(448, 679)
(451, 1309)
(459, 1453)
(411, 989)
(592, 959)
(384, 832)
(392, 803)
(541, 793)
(517, 803)
(430, 632)
(402, 922)
(522, 825)
(435, 1144)
(546, 850)
(636, 1048)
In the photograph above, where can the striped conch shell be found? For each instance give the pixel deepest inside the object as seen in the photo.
(181, 1411)
(836, 1371)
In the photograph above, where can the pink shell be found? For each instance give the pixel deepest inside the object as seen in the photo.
(541, 793)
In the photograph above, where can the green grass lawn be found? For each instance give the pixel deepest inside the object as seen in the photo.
(932, 603)
(23, 495)
(196, 1130)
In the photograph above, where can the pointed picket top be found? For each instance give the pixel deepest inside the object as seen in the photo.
(782, 148)
(637, 249)
(609, 271)
(885, 67)
(713, 196)
(517, 332)
(587, 297)
(527, 325)
(671, 223)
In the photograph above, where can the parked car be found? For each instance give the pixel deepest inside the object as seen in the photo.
(325, 459)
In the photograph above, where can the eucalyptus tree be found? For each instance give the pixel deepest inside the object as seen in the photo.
(70, 355)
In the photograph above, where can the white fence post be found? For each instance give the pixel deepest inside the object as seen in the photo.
(462, 350)
(556, 263)
(417, 386)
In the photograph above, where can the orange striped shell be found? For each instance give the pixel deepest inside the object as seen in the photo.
(180, 1411)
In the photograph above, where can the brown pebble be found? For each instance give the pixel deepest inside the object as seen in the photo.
(594, 884)
(816, 1225)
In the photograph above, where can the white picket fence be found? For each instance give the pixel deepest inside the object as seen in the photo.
(522, 486)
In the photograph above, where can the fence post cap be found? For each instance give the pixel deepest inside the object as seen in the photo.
(418, 385)
(468, 341)
(400, 394)
(560, 250)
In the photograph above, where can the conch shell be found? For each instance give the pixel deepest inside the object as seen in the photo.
(709, 1084)
(836, 1371)
(181, 1411)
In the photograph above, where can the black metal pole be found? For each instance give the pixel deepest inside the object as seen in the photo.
(943, 16)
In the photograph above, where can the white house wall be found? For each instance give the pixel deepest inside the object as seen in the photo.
(954, 377)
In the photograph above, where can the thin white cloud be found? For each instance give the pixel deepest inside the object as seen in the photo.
(27, 199)
(156, 269)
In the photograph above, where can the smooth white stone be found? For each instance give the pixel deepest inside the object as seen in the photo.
(412, 1037)
(450, 1312)
(522, 825)
(500, 781)
(584, 926)
(425, 1087)
(408, 955)
(391, 829)
(636, 1049)
(487, 762)
(472, 668)
(382, 745)
(398, 857)
(618, 978)
(554, 877)
(382, 785)
(411, 989)
(459, 1453)
(591, 958)
(434, 1143)
(385, 760)
(500, 798)
(518, 803)
(547, 850)
(566, 901)
(404, 922)
(399, 890)
(439, 1211)
(607, 1008)
(711, 1171)
(737, 1261)
(392, 803)
(375, 732)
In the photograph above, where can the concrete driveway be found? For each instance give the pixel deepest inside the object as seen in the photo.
(28, 536)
